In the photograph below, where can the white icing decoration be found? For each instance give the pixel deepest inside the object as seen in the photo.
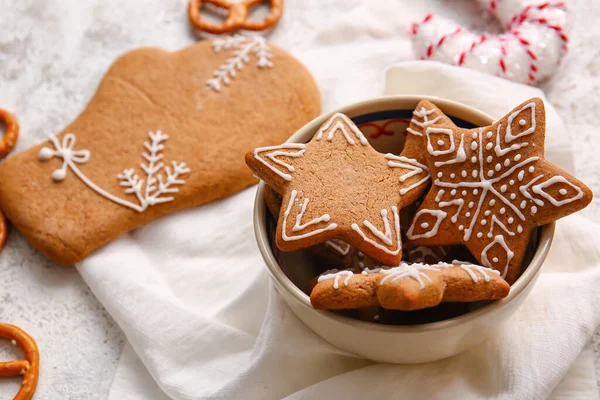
(387, 236)
(297, 227)
(243, 47)
(339, 126)
(509, 134)
(416, 271)
(424, 114)
(533, 209)
(456, 202)
(368, 271)
(413, 271)
(445, 131)
(336, 278)
(498, 239)
(274, 151)
(472, 268)
(339, 245)
(501, 152)
(438, 214)
(499, 223)
(439, 195)
(414, 168)
(461, 156)
(539, 189)
(525, 190)
(157, 186)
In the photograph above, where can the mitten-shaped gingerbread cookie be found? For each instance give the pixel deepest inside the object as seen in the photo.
(164, 131)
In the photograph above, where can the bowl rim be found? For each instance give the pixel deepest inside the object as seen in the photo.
(261, 232)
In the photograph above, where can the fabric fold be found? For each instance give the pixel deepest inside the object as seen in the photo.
(191, 294)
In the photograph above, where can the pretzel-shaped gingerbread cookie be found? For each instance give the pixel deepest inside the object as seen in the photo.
(29, 367)
(12, 132)
(237, 16)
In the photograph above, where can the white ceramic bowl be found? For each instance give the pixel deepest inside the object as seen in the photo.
(392, 343)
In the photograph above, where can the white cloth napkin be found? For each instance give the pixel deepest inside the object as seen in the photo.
(191, 293)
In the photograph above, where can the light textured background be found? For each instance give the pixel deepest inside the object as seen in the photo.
(52, 56)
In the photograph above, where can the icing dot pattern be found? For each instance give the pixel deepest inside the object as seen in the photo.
(503, 190)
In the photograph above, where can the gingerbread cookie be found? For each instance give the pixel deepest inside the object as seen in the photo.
(408, 286)
(164, 131)
(492, 188)
(338, 187)
(273, 202)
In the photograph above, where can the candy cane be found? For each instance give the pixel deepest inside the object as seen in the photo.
(532, 44)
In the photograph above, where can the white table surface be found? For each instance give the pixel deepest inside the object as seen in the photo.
(79, 342)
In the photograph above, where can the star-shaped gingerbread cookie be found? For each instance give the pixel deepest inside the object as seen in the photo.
(338, 187)
(492, 186)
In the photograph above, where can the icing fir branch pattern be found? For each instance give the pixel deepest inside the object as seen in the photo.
(486, 178)
(415, 271)
(161, 180)
(242, 48)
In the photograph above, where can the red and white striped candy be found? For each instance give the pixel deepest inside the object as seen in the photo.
(532, 44)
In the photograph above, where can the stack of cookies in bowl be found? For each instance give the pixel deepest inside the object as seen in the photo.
(405, 217)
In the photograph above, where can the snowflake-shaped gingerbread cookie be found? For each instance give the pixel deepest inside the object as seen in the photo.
(338, 187)
(491, 187)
